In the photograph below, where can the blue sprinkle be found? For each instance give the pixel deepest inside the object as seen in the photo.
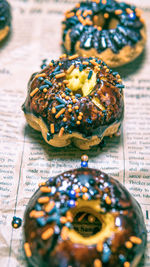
(69, 225)
(84, 164)
(60, 106)
(120, 85)
(71, 203)
(72, 193)
(132, 16)
(38, 207)
(106, 253)
(81, 68)
(43, 66)
(70, 132)
(90, 74)
(68, 89)
(78, 95)
(115, 73)
(48, 82)
(40, 79)
(122, 258)
(60, 100)
(41, 221)
(57, 68)
(49, 136)
(43, 86)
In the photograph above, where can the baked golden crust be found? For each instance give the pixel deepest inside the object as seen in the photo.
(83, 218)
(75, 99)
(117, 35)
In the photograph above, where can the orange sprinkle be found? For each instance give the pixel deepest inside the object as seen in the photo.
(99, 28)
(76, 107)
(129, 10)
(71, 68)
(64, 233)
(53, 110)
(118, 12)
(40, 75)
(69, 15)
(78, 13)
(85, 197)
(73, 97)
(64, 119)
(74, 101)
(108, 200)
(135, 240)
(45, 90)
(45, 189)
(107, 70)
(63, 56)
(79, 118)
(81, 113)
(47, 234)
(27, 250)
(78, 122)
(106, 15)
(43, 183)
(72, 57)
(63, 220)
(65, 81)
(67, 97)
(85, 63)
(128, 244)
(50, 64)
(49, 206)
(60, 113)
(70, 109)
(99, 246)
(118, 76)
(119, 81)
(77, 190)
(69, 106)
(36, 214)
(97, 263)
(105, 67)
(52, 127)
(88, 22)
(60, 75)
(81, 20)
(142, 20)
(77, 5)
(104, 2)
(84, 189)
(43, 200)
(69, 216)
(61, 131)
(34, 92)
(85, 13)
(93, 62)
(63, 95)
(126, 264)
(81, 217)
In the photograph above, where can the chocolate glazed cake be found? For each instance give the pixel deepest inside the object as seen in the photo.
(75, 100)
(84, 218)
(110, 30)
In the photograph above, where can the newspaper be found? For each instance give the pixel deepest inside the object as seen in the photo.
(25, 158)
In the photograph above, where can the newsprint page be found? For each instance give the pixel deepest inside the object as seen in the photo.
(25, 158)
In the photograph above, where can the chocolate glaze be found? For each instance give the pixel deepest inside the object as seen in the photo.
(5, 14)
(127, 31)
(56, 252)
(94, 121)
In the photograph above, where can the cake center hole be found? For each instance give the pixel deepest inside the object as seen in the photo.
(86, 224)
(105, 22)
(81, 82)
